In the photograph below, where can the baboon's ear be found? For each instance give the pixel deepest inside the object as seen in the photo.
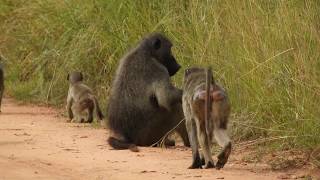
(187, 72)
(68, 77)
(156, 43)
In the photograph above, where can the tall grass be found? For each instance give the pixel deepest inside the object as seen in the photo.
(265, 53)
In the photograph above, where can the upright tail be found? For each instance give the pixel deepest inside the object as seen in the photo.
(121, 145)
(208, 99)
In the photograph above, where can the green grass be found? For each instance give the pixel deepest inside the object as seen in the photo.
(265, 53)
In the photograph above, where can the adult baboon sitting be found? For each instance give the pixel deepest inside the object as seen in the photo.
(144, 105)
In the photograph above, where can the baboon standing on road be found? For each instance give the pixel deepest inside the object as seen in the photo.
(80, 101)
(206, 108)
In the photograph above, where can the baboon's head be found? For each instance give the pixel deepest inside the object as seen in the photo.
(160, 48)
(191, 72)
(216, 94)
(194, 72)
(74, 77)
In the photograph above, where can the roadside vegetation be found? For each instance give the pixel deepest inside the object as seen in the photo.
(265, 53)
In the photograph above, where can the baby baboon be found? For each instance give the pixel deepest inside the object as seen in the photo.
(80, 101)
(144, 105)
(206, 109)
(1, 84)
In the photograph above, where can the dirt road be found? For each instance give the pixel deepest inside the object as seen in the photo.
(37, 143)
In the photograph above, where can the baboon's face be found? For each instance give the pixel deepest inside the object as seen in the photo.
(162, 52)
(74, 77)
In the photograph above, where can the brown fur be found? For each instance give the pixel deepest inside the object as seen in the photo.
(206, 108)
(80, 101)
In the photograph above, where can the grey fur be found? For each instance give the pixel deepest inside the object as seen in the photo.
(144, 104)
(81, 101)
(201, 130)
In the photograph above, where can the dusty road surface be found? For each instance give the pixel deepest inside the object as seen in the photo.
(37, 143)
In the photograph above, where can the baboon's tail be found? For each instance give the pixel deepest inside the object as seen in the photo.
(208, 99)
(98, 110)
(121, 145)
(86, 103)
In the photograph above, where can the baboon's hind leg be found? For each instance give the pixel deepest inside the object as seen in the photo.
(205, 146)
(192, 133)
(90, 114)
(223, 140)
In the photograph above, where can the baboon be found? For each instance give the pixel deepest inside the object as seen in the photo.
(206, 109)
(1, 84)
(144, 105)
(80, 101)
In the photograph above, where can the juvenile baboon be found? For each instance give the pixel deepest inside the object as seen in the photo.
(80, 101)
(1, 84)
(144, 105)
(206, 109)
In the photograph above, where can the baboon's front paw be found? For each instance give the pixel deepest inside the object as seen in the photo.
(196, 165)
(222, 160)
(90, 120)
(209, 165)
(203, 162)
(220, 165)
